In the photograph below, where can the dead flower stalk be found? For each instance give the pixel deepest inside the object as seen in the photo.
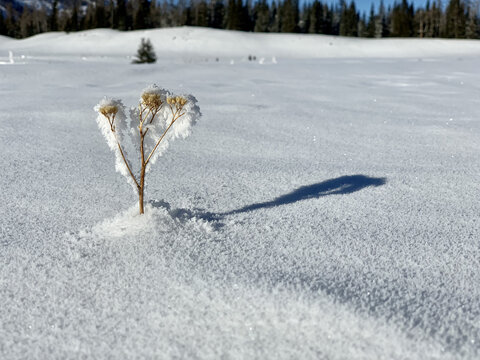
(156, 110)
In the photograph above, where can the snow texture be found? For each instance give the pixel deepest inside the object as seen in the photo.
(326, 206)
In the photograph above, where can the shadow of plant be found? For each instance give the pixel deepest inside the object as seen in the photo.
(339, 186)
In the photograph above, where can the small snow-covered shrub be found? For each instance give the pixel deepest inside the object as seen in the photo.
(140, 138)
(145, 53)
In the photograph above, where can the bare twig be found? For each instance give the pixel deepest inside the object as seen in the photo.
(151, 120)
(112, 128)
(175, 118)
(128, 167)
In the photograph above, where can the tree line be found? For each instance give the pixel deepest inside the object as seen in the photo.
(452, 19)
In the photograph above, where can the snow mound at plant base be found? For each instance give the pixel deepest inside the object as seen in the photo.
(153, 223)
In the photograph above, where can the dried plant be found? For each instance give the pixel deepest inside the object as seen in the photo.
(138, 140)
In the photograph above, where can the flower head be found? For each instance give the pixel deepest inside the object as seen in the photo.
(179, 101)
(108, 110)
(152, 101)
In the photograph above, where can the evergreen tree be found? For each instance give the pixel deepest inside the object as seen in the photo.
(88, 21)
(74, 18)
(145, 53)
(187, 15)
(261, 16)
(472, 25)
(142, 18)
(370, 31)
(3, 27)
(112, 18)
(121, 14)
(158, 13)
(420, 23)
(290, 16)
(455, 19)
(349, 19)
(343, 17)
(402, 20)
(362, 26)
(306, 18)
(99, 20)
(217, 17)
(381, 22)
(250, 11)
(275, 20)
(316, 18)
(439, 20)
(53, 20)
(335, 13)
(327, 26)
(11, 23)
(27, 27)
(201, 14)
(232, 20)
(245, 22)
(130, 15)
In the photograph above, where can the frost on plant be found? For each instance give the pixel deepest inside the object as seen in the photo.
(140, 138)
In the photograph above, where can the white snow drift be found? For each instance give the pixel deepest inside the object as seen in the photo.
(211, 43)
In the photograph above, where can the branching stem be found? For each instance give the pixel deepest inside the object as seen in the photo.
(176, 116)
(128, 167)
(147, 111)
(112, 128)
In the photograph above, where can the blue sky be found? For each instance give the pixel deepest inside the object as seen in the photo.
(364, 5)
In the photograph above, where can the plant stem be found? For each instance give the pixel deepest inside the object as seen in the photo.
(126, 164)
(112, 128)
(141, 189)
(144, 165)
(144, 162)
(163, 135)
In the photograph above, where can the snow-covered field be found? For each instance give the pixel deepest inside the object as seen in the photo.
(325, 207)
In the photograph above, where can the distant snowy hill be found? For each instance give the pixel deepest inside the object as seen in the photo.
(211, 43)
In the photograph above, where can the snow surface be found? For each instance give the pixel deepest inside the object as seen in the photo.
(322, 208)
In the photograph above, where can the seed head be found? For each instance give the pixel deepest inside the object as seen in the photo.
(179, 101)
(152, 101)
(108, 110)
